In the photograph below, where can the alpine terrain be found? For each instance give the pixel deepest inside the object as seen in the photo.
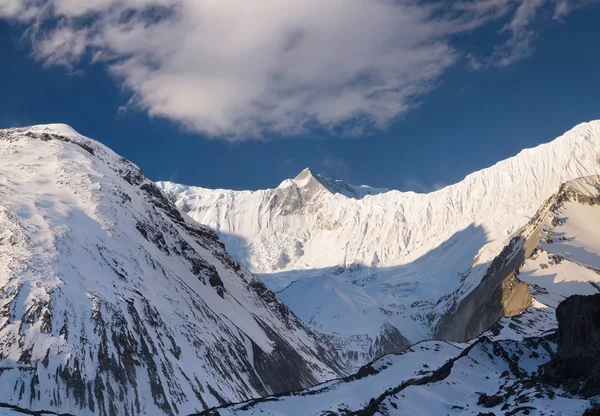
(522, 365)
(378, 270)
(114, 303)
(119, 296)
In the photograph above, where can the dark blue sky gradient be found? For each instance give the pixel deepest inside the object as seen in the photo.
(471, 121)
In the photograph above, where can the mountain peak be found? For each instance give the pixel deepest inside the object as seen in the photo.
(346, 264)
(59, 128)
(305, 173)
(108, 286)
(307, 177)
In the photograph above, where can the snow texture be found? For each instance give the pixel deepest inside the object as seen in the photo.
(433, 378)
(114, 303)
(352, 264)
(441, 378)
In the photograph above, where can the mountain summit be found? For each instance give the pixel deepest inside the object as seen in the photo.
(542, 361)
(114, 303)
(307, 179)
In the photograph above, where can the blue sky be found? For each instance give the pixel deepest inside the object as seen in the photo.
(463, 119)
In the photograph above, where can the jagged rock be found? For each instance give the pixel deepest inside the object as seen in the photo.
(577, 364)
(489, 401)
(592, 411)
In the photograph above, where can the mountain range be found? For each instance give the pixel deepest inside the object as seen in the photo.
(120, 296)
(378, 270)
(508, 370)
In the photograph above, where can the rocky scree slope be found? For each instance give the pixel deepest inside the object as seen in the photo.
(114, 303)
(377, 270)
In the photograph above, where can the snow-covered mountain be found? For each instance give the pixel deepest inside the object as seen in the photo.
(504, 372)
(114, 303)
(377, 270)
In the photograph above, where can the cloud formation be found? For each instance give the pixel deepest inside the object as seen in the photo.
(257, 68)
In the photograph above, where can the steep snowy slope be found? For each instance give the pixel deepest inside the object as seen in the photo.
(113, 303)
(376, 271)
(567, 259)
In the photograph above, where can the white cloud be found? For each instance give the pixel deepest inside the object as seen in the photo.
(562, 9)
(521, 40)
(62, 47)
(10, 8)
(254, 68)
(521, 35)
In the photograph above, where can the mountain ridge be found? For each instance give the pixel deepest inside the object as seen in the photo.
(360, 260)
(542, 360)
(114, 302)
(108, 288)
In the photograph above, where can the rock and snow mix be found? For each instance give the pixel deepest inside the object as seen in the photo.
(434, 378)
(521, 366)
(112, 302)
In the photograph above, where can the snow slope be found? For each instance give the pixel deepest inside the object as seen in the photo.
(354, 265)
(567, 259)
(441, 378)
(433, 378)
(113, 302)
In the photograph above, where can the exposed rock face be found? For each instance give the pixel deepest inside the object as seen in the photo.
(500, 292)
(577, 365)
(481, 378)
(584, 190)
(390, 341)
(287, 200)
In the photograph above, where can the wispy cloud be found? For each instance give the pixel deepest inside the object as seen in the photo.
(14, 120)
(519, 32)
(240, 69)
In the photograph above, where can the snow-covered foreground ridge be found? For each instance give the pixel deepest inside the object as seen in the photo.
(114, 303)
(354, 262)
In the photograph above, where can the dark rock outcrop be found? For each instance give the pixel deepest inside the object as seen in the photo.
(489, 401)
(390, 341)
(500, 293)
(577, 364)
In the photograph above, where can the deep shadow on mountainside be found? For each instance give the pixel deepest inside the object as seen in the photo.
(165, 300)
(566, 365)
(557, 369)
